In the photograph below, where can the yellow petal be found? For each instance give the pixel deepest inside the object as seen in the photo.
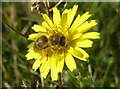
(79, 20)
(46, 67)
(48, 20)
(43, 65)
(74, 42)
(44, 24)
(77, 53)
(60, 64)
(54, 71)
(37, 63)
(86, 26)
(30, 46)
(64, 21)
(38, 28)
(71, 15)
(85, 55)
(66, 11)
(75, 23)
(85, 43)
(90, 35)
(77, 36)
(70, 62)
(31, 54)
(56, 16)
(33, 36)
(45, 73)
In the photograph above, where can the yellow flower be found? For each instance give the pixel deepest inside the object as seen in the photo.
(59, 40)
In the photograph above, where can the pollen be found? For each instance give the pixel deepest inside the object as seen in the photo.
(44, 53)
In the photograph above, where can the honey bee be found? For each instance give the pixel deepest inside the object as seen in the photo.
(40, 43)
(57, 39)
(54, 42)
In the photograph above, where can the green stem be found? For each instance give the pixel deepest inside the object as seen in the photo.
(13, 28)
(42, 82)
(107, 70)
(60, 80)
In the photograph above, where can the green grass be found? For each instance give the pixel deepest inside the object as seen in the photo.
(100, 71)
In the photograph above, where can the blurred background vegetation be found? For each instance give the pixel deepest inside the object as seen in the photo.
(101, 70)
